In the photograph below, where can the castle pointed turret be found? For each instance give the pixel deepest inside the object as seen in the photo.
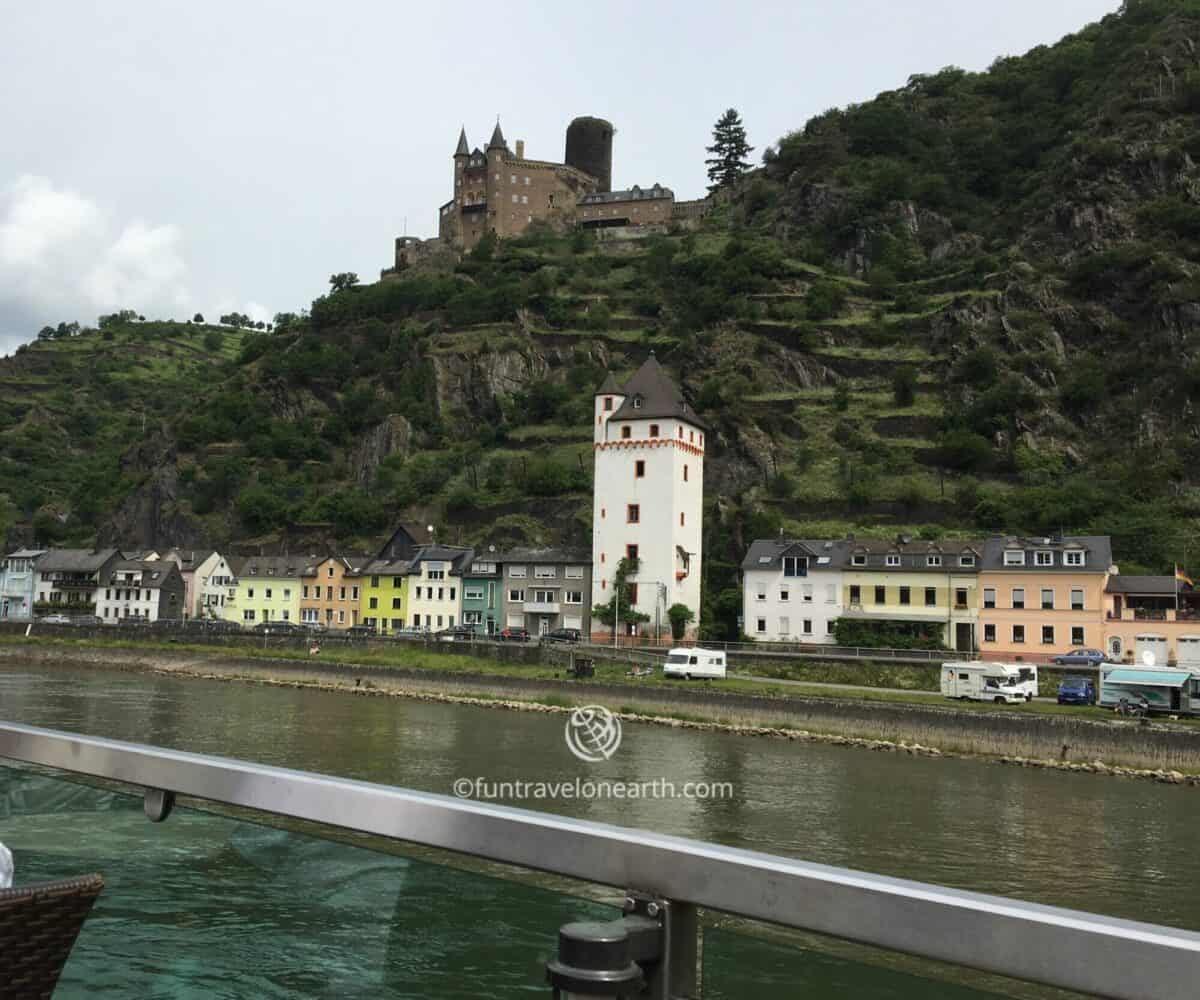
(463, 149)
(497, 137)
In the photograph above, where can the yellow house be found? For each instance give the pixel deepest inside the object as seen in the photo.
(918, 587)
(267, 590)
(1043, 596)
(383, 586)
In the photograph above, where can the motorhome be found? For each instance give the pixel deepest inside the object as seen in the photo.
(689, 663)
(1160, 688)
(999, 682)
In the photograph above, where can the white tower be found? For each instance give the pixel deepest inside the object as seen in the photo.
(648, 499)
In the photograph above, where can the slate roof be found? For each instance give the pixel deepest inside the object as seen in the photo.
(497, 137)
(1097, 549)
(531, 555)
(189, 559)
(610, 385)
(278, 567)
(768, 554)
(634, 193)
(651, 392)
(463, 149)
(458, 558)
(155, 572)
(26, 554)
(75, 560)
(1157, 585)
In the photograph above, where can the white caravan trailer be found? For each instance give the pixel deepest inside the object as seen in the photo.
(689, 663)
(1001, 682)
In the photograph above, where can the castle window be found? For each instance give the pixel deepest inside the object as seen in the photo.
(514, 199)
(512, 179)
(685, 478)
(680, 433)
(631, 552)
(692, 436)
(527, 182)
(639, 469)
(524, 199)
(626, 430)
(654, 430)
(608, 402)
(633, 513)
(681, 519)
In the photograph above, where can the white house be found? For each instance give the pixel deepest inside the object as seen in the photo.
(648, 500)
(17, 584)
(792, 590)
(435, 586)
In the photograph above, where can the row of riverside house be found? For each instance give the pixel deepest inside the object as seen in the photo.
(407, 585)
(1005, 597)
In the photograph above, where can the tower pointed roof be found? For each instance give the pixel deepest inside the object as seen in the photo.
(497, 137)
(651, 392)
(463, 149)
(609, 385)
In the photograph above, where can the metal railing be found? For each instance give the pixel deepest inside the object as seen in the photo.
(1043, 944)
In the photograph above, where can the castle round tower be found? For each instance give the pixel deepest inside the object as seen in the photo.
(589, 148)
(648, 500)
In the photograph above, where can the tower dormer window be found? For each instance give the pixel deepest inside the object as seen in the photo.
(637, 402)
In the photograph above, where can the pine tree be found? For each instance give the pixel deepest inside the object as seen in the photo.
(729, 149)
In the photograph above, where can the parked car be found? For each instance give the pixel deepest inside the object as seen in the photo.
(87, 620)
(278, 628)
(55, 620)
(1076, 691)
(361, 631)
(514, 633)
(411, 632)
(562, 635)
(1080, 658)
(457, 633)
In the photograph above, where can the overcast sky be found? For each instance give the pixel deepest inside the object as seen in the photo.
(170, 158)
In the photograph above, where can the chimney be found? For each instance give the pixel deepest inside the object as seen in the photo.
(520, 149)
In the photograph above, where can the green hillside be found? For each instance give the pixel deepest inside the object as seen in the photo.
(970, 305)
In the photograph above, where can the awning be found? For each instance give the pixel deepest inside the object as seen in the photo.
(1149, 678)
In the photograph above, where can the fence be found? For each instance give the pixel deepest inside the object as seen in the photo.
(664, 879)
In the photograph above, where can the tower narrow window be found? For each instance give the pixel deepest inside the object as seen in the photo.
(682, 519)
(608, 402)
(626, 431)
(631, 553)
(685, 478)
(654, 430)
(639, 469)
(633, 513)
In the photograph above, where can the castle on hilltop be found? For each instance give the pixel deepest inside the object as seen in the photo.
(501, 190)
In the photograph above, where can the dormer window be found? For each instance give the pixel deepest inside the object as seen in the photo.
(966, 559)
(893, 560)
(637, 402)
(1043, 558)
(933, 560)
(1073, 558)
(1014, 558)
(858, 559)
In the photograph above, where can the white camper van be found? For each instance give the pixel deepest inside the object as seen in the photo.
(1000, 682)
(689, 663)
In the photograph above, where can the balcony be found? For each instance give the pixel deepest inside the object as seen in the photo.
(279, 908)
(541, 607)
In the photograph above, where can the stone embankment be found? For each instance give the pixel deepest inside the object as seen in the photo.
(1065, 742)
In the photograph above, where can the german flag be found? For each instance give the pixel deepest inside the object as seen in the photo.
(1182, 577)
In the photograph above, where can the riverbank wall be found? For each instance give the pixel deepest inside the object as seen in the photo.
(1059, 739)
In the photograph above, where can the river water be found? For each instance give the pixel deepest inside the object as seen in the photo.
(1116, 846)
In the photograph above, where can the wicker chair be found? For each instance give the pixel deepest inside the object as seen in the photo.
(38, 926)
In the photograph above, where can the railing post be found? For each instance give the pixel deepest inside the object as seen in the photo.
(677, 975)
